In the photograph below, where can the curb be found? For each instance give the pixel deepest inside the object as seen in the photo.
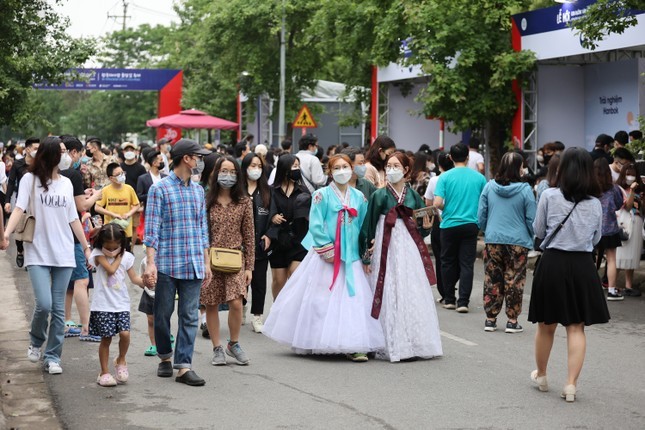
(25, 401)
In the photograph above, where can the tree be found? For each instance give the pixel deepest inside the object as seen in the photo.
(605, 17)
(33, 48)
(465, 49)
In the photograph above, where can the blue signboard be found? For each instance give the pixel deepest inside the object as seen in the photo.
(553, 18)
(115, 79)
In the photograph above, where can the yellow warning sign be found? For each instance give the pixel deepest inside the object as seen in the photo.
(304, 119)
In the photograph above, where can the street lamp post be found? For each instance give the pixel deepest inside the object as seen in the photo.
(281, 132)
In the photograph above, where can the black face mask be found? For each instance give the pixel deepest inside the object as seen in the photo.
(88, 153)
(295, 175)
(547, 158)
(161, 165)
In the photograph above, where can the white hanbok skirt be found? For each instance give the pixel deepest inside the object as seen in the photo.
(408, 311)
(314, 320)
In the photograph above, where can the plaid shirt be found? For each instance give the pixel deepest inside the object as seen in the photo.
(176, 227)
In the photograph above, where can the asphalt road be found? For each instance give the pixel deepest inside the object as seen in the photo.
(482, 382)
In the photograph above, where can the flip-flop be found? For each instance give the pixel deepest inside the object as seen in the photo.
(71, 323)
(121, 372)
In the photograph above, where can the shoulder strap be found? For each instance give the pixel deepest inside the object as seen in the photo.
(33, 194)
(558, 228)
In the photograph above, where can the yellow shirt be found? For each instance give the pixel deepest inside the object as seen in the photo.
(119, 201)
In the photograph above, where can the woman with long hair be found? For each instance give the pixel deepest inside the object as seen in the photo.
(506, 212)
(382, 147)
(258, 189)
(290, 202)
(400, 268)
(49, 258)
(628, 255)
(324, 307)
(420, 175)
(611, 201)
(566, 287)
(230, 220)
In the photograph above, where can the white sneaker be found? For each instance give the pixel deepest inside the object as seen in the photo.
(53, 368)
(257, 324)
(33, 354)
(244, 311)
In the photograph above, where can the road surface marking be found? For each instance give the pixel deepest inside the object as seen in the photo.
(457, 339)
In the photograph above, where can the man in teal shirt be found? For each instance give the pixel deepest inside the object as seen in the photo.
(457, 194)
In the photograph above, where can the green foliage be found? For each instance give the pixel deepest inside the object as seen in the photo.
(605, 17)
(465, 47)
(33, 48)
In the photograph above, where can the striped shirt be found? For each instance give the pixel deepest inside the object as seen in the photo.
(176, 227)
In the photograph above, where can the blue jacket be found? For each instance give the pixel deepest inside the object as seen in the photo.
(506, 214)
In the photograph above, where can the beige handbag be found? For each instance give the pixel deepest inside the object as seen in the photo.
(27, 223)
(226, 260)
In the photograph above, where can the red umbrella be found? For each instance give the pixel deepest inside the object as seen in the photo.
(192, 118)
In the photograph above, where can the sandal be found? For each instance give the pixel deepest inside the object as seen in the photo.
(172, 342)
(71, 323)
(121, 371)
(151, 351)
(106, 380)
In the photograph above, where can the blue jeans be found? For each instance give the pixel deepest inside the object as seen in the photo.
(188, 315)
(49, 285)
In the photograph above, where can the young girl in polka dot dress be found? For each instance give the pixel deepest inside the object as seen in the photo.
(110, 309)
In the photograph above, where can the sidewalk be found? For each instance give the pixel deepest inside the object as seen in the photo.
(25, 402)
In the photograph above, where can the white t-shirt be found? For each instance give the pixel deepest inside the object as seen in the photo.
(155, 179)
(54, 210)
(474, 158)
(3, 174)
(432, 185)
(111, 292)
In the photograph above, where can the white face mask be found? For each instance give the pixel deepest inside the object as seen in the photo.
(65, 161)
(121, 178)
(254, 174)
(111, 253)
(540, 159)
(394, 176)
(525, 171)
(129, 155)
(630, 179)
(32, 154)
(342, 176)
(431, 166)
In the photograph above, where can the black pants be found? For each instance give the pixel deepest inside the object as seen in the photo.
(435, 238)
(259, 286)
(458, 253)
(20, 247)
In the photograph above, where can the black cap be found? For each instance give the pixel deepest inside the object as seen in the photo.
(187, 147)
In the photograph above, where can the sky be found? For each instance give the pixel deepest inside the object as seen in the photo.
(89, 18)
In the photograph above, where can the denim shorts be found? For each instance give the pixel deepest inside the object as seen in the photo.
(80, 271)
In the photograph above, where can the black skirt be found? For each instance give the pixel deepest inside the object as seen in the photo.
(610, 241)
(567, 290)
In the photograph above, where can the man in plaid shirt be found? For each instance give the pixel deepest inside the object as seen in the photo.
(176, 239)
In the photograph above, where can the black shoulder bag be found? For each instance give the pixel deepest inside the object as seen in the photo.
(547, 241)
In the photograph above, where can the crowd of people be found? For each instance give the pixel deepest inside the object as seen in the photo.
(345, 232)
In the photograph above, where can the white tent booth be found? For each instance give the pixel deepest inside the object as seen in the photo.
(577, 94)
(400, 115)
(329, 103)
